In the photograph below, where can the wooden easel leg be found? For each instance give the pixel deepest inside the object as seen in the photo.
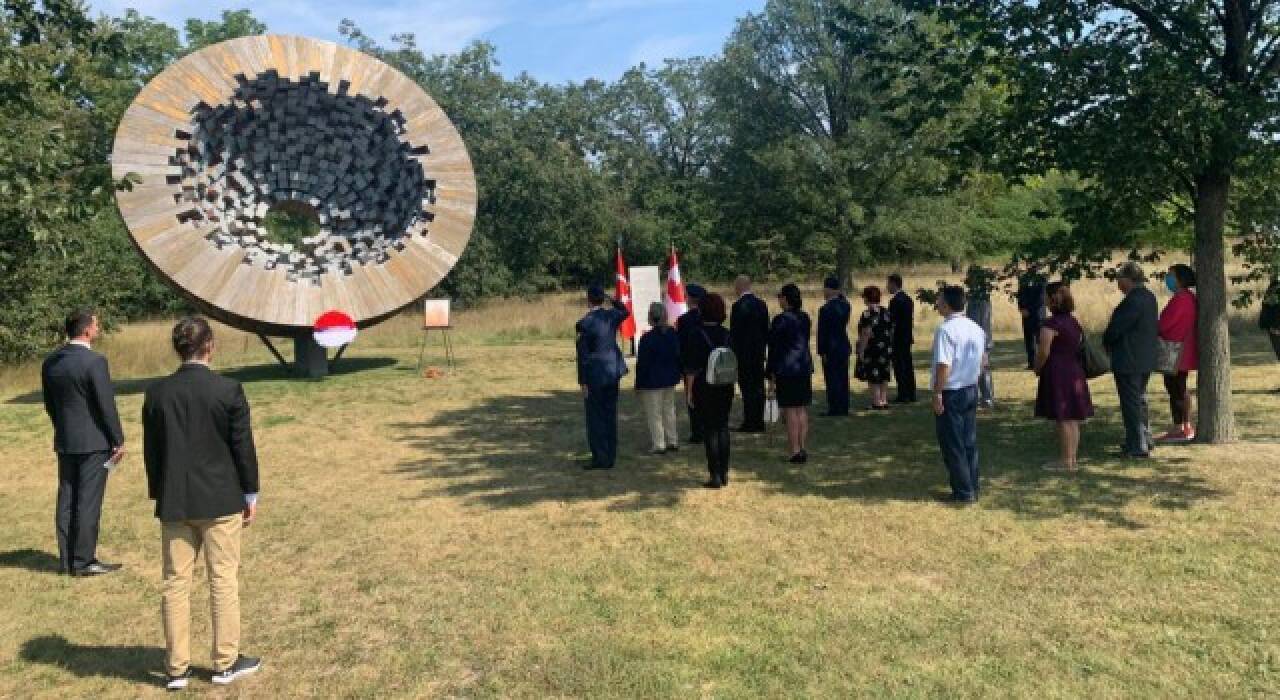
(448, 349)
(422, 349)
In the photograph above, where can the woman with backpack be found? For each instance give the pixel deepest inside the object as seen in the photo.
(1063, 393)
(710, 398)
(790, 369)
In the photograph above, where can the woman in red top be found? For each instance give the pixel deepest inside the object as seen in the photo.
(1178, 324)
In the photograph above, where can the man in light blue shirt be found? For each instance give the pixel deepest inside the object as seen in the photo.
(959, 351)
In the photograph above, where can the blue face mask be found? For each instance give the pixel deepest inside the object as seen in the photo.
(1171, 282)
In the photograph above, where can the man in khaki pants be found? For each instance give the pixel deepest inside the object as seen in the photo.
(202, 472)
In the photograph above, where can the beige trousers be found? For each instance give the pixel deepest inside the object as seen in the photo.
(660, 413)
(182, 542)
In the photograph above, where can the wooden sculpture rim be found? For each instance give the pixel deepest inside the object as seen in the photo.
(193, 247)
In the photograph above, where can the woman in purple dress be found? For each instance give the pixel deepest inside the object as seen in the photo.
(1063, 393)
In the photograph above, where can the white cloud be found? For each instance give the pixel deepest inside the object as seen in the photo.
(440, 25)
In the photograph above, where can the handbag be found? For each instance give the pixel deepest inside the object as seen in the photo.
(1168, 355)
(1095, 361)
(771, 412)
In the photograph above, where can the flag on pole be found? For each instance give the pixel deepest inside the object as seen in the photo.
(623, 295)
(676, 305)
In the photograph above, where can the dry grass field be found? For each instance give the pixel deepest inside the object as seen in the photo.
(438, 538)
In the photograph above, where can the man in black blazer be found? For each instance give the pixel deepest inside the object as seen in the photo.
(749, 336)
(87, 438)
(202, 472)
(902, 310)
(834, 347)
(1031, 306)
(601, 367)
(687, 328)
(1131, 339)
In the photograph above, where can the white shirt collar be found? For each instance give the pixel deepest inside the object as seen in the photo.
(82, 343)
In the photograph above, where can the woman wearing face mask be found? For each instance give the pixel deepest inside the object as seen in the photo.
(1178, 325)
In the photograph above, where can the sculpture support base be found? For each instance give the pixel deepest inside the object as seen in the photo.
(309, 359)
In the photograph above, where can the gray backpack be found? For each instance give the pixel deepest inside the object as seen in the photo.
(722, 365)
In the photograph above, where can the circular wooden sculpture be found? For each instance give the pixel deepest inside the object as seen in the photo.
(266, 123)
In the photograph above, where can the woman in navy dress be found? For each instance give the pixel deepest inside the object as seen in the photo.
(1063, 393)
(790, 369)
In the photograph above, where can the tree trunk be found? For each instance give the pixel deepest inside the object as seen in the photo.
(844, 266)
(1217, 420)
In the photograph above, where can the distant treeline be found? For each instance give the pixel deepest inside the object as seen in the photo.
(827, 135)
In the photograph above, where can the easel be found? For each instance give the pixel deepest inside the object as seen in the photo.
(435, 317)
(448, 345)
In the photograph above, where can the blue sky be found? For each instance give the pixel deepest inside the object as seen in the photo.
(554, 40)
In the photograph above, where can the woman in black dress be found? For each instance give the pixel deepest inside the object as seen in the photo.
(709, 403)
(875, 348)
(790, 369)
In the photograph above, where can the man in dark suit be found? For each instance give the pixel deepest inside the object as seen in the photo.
(903, 312)
(202, 472)
(1131, 339)
(87, 438)
(749, 336)
(1031, 306)
(687, 327)
(834, 347)
(600, 369)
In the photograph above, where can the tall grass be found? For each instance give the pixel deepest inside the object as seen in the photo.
(143, 349)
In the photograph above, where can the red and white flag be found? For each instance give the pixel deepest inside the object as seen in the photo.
(334, 329)
(623, 295)
(676, 304)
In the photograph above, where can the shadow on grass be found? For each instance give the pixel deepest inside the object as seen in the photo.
(246, 375)
(31, 560)
(131, 663)
(511, 452)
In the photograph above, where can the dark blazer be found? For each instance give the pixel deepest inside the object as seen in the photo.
(198, 445)
(1132, 335)
(600, 361)
(1269, 317)
(789, 354)
(658, 359)
(903, 312)
(833, 328)
(80, 401)
(749, 330)
(687, 326)
(1031, 297)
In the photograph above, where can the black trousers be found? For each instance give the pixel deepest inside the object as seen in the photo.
(695, 427)
(1179, 397)
(1275, 343)
(904, 373)
(602, 424)
(1031, 336)
(835, 371)
(712, 405)
(1132, 388)
(82, 482)
(751, 383)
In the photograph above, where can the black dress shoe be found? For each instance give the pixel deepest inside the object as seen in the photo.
(800, 457)
(712, 483)
(749, 429)
(596, 467)
(96, 568)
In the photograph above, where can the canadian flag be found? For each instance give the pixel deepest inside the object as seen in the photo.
(676, 305)
(623, 295)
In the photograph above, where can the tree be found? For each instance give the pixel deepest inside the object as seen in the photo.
(1163, 104)
(232, 25)
(841, 112)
